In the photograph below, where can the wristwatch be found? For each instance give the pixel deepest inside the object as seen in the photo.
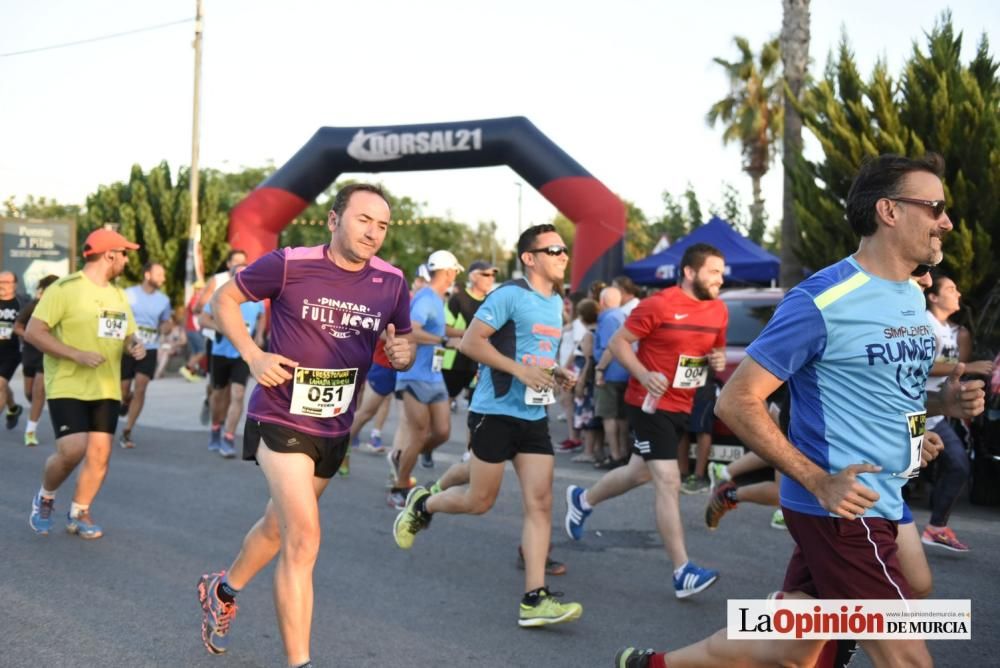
(444, 341)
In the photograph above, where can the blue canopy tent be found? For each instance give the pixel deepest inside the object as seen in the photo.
(746, 262)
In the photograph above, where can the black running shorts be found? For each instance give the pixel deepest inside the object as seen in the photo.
(497, 438)
(9, 364)
(226, 370)
(74, 416)
(656, 436)
(146, 366)
(327, 453)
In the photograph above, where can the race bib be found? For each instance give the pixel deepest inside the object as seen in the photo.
(322, 393)
(112, 325)
(437, 362)
(149, 336)
(916, 425)
(691, 372)
(6, 331)
(533, 397)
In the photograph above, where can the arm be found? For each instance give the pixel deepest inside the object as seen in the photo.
(422, 336)
(587, 348)
(40, 335)
(742, 406)
(620, 346)
(475, 344)
(206, 294)
(958, 399)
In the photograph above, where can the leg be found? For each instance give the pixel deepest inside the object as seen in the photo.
(457, 474)
(418, 418)
(440, 431)
(745, 464)
(8, 396)
(138, 400)
(29, 382)
(684, 455)
(667, 484)
(913, 560)
(219, 401)
(762, 493)
(70, 451)
(366, 411)
(126, 391)
(475, 499)
(617, 482)
(535, 473)
(95, 467)
(704, 446)
(236, 392)
(383, 411)
(908, 653)
(37, 398)
(954, 473)
(717, 650)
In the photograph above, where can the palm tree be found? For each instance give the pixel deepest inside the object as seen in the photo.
(795, 58)
(752, 113)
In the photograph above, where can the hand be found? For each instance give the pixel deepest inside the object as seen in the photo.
(535, 377)
(565, 379)
(717, 360)
(962, 400)
(397, 350)
(268, 369)
(979, 368)
(933, 445)
(454, 342)
(599, 377)
(843, 495)
(87, 358)
(655, 382)
(137, 351)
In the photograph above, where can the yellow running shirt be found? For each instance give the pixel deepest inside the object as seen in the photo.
(91, 318)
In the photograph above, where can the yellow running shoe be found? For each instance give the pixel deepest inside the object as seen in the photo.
(30, 439)
(548, 611)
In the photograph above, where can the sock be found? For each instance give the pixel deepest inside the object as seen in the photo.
(584, 503)
(376, 433)
(225, 591)
(680, 569)
(46, 494)
(658, 660)
(229, 436)
(76, 508)
(217, 427)
(730, 495)
(31, 426)
(726, 475)
(534, 596)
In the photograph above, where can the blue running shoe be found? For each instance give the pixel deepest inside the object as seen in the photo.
(228, 448)
(83, 526)
(693, 580)
(575, 514)
(41, 515)
(376, 441)
(356, 442)
(217, 615)
(215, 441)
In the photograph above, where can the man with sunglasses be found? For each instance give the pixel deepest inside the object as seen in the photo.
(83, 324)
(459, 371)
(854, 344)
(514, 336)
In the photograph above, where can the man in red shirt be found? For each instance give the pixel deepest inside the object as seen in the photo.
(681, 332)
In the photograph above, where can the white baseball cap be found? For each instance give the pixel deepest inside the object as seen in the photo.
(443, 259)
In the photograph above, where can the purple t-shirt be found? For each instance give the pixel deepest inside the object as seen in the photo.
(323, 317)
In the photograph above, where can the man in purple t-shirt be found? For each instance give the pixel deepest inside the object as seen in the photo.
(329, 305)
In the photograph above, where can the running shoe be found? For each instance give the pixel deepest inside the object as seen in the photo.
(569, 446)
(694, 485)
(719, 503)
(376, 441)
(345, 466)
(30, 439)
(693, 580)
(83, 526)
(203, 416)
(188, 375)
(778, 520)
(227, 449)
(215, 440)
(552, 567)
(410, 521)
(13, 416)
(126, 440)
(356, 441)
(575, 514)
(41, 514)
(396, 497)
(717, 474)
(632, 657)
(549, 610)
(372, 449)
(943, 537)
(217, 615)
(427, 460)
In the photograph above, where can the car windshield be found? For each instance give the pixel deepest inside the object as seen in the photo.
(747, 318)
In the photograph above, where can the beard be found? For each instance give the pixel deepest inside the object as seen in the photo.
(702, 290)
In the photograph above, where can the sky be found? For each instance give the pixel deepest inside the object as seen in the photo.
(622, 87)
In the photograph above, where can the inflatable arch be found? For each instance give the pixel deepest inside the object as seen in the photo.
(599, 215)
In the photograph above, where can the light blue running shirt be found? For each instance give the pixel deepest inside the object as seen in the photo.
(150, 310)
(856, 351)
(251, 312)
(427, 310)
(528, 329)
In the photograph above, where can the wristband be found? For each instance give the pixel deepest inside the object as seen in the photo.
(444, 341)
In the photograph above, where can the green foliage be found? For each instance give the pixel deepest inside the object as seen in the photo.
(936, 104)
(40, 207)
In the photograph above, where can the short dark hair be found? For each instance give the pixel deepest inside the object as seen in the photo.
(626, 285)
(527, 239)
(47, 281)
(935, 288)
(343, 197)
(586, 310)
(696, 254)
(149, 266)
(233, 252)
(882, 177)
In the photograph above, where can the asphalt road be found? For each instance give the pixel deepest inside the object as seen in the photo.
(172, 511)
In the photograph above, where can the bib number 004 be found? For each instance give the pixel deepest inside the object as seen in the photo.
(322, 393)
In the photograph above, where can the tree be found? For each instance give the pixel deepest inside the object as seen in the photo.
(938, 104)
(40, 207)
(752, 113)
(795, 61)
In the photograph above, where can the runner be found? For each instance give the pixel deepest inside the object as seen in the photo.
(844, 467)
(10, 345)
(151, 309)
(514, 336)
(427, 419)
(31, 365)
(329, 304)
(460, 371)
(681, 333)
(230, 373)
(375, 403)
(82, 324)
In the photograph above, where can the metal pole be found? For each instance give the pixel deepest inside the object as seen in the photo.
(519, 191)
(192, 266)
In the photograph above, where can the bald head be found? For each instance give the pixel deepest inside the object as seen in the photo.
(8, 284)
(611, 297)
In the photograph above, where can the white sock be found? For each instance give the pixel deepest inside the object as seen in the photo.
(726, 476)
(46, 494)
(31, 426)
(376, 433)
(584, 504)
(680, 569)
(75, 509)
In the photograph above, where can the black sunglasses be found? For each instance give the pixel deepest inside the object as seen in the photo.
(935, 205)
(554, 251)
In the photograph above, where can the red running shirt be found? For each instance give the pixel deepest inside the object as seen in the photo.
(672, 325)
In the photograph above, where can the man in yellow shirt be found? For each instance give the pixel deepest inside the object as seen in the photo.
(82, 324)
